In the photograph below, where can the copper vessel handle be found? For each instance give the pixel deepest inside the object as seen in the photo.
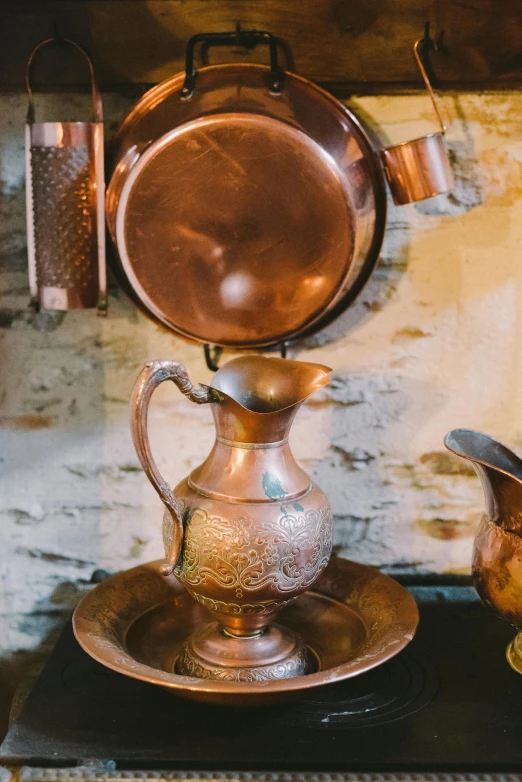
(150, 377)
(420, 62)
(247, 38)
(97, 110)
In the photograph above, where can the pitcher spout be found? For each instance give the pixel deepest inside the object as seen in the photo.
(500, 472)
(259, 396)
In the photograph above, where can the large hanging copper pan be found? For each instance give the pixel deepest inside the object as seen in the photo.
(247, 205)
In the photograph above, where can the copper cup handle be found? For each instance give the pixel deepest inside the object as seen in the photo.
(150, 377)
(416, 50)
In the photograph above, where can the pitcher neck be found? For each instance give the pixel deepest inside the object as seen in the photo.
(236, 424)
(255, 473)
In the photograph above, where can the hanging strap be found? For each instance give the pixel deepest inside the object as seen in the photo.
(97, 110)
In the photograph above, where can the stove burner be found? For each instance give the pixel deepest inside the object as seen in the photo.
(400, 687)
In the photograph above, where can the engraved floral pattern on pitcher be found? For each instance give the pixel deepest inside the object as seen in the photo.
(244, 555)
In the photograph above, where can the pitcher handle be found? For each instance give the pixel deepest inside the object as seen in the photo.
(150, 377)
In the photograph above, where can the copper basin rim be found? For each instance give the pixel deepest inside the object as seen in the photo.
(109, 617)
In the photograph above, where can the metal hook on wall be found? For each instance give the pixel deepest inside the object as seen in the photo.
(57, 38)
(427, 45)
(213, 354)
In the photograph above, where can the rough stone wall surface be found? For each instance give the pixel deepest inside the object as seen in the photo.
(431, 344)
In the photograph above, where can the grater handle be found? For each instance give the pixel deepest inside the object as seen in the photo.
(150, 377)
(96, 96)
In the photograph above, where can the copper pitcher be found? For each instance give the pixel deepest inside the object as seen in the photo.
(497, 552)
(247, 531)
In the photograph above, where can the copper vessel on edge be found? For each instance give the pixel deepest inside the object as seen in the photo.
(497, 551)
(248, 531)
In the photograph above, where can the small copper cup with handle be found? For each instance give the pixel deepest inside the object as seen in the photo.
(420, 168)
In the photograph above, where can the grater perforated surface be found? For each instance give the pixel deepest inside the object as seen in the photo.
(64, 218)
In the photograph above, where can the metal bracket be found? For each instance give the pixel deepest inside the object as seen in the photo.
(427, 44)
(213, 354)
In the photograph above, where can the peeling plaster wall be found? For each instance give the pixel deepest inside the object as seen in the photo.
(432, 343)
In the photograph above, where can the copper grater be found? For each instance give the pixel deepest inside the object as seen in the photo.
(65, 191)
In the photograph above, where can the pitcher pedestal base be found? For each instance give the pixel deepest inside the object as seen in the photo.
(514, 653)
(276, 653)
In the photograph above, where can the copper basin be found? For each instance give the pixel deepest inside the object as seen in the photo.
(136, 621)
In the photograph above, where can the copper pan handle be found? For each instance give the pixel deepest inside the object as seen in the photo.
(247, 38)
(150, 377)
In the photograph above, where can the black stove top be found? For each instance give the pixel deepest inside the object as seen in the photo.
(449, 702)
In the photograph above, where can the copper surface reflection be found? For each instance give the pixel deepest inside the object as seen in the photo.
(224, 242)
